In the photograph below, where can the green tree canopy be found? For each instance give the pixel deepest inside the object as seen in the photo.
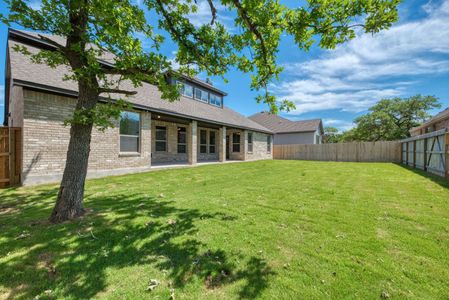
(331, 135)
(392, 119)
(107, 29)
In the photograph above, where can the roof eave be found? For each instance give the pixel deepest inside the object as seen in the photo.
(71, 93)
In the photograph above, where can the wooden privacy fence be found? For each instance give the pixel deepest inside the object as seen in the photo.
(428, 152)
(10, 156)
(356, 152)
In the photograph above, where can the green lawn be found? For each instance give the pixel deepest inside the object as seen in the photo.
(269, 229)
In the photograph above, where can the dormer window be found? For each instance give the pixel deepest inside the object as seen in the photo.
(187, 90)
(198, 92)
(215, 100)
(201, 95)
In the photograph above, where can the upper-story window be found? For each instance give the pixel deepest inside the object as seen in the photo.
(215, 100)
(201, 95)
(185, 89)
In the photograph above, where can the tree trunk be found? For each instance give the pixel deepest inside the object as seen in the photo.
(69, 204)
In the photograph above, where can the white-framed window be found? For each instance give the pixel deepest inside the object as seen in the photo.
(250, 142)
(129, 131)
(185, 89)
(161, 139)
(182, 140)
(215, 99)
(201, 95)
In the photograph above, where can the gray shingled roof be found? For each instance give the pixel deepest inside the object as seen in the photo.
(441, 115)
(148, 96)
(282, 125)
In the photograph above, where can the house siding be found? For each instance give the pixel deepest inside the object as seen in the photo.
(295, 138)
(46, 139)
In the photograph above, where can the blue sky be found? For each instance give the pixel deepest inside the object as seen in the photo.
(339, 85)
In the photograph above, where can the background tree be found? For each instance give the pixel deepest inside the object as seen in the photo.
(331, 135)
(107, 29)
(392, 119)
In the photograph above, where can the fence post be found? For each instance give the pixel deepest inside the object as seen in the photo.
(446, 171)
(425, 154)
(414, 154)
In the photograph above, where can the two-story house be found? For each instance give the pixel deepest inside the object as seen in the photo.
(197, 128)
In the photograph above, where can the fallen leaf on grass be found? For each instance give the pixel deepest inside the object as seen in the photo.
(23, 235)
(153, 284)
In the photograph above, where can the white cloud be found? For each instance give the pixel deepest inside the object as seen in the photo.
(342, 125)
(203, 14)
(353, 77)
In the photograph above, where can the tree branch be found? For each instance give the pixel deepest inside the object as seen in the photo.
(116, 91)
(253, 28)
(213, 11)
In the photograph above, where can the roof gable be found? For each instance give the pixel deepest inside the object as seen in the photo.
(279, 124)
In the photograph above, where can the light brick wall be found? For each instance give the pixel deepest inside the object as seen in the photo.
(260, 147)
(171, 155)
(16, 107)
(45, 139)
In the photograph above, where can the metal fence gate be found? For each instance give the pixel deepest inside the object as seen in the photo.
(10, 156)
(428, 152)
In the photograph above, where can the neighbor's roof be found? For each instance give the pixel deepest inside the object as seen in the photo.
(41, 76)
(438, 117)
(282, 125)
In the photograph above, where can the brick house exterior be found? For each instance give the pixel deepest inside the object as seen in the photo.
(189, 131)
(438, 122)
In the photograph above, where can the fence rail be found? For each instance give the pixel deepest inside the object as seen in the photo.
(355, 152)
(10, 156)
(428, 152)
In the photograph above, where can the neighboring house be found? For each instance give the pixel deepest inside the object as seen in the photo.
(197, 128)
(440, 121)
(288, 132)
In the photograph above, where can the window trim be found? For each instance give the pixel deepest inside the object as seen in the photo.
(217, 96)
(156, 140)
(233, 143)
(269, 142)
(250, 134)
(181, 144)
(138, 136)
(203, 145)
(214, 145)
(202, 91)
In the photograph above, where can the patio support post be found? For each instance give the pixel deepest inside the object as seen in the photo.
(192, 143)
(222, 144)
(244, 144)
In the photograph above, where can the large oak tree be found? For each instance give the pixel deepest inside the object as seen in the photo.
(94, 29)
(391, 119)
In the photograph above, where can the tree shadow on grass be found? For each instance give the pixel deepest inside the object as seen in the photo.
(124, 230)
(444, 182)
